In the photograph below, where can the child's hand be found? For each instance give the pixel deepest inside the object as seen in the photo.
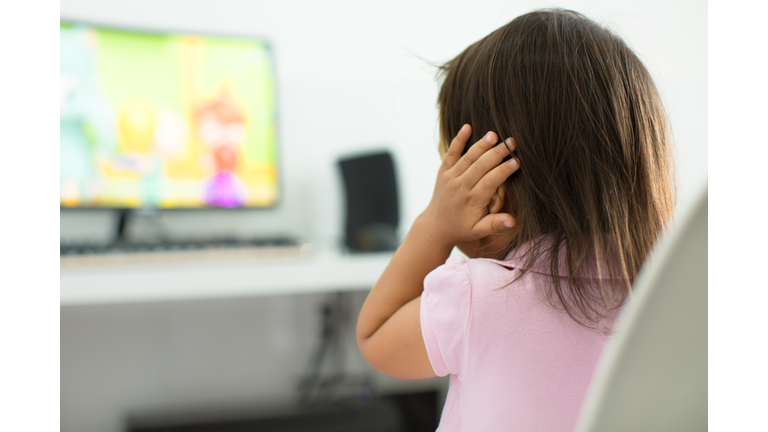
(458, 212)
(462, 210)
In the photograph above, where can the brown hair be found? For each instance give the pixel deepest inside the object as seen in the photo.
(596, 185)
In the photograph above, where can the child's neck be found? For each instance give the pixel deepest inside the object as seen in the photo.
(493, 247)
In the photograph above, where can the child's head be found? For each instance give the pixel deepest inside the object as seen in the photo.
(592, 137)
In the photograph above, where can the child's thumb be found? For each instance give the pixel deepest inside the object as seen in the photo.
(494, 223)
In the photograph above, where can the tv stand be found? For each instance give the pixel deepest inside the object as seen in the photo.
(122, 221)
(128, 216)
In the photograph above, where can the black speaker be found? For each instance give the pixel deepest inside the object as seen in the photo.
(372, 212)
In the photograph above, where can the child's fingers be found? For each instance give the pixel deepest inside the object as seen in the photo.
(488, 141)
(486, 162)
(487, 186)
(493, 223)
(457, 146)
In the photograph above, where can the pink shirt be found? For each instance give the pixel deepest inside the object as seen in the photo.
(516, 363)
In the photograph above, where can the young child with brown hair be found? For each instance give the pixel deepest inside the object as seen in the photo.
(557, 220)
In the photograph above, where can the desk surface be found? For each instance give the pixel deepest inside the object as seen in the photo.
(245, 277)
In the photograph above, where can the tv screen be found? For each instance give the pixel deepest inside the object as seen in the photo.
(166, 120)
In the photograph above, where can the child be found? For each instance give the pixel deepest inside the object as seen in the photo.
(553, 249)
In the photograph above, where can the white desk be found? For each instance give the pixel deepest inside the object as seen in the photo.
(321, 272)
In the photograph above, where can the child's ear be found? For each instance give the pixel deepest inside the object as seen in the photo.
(497, 200)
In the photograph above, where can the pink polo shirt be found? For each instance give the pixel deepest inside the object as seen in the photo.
(516, 363)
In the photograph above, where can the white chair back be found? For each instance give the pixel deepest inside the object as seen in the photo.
(653, 375)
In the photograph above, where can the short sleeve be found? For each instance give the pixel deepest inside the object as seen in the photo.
(444, 314)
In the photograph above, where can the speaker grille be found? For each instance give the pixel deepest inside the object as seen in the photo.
(372, 212)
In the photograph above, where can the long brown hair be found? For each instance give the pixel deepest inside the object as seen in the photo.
(596, 185)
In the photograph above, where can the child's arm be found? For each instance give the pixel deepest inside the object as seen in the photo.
(388, 329)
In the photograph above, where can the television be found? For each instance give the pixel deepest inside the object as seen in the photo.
(166, 120)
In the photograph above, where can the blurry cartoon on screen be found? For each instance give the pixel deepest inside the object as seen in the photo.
(221, 127)
(86, 125)
(166, 120)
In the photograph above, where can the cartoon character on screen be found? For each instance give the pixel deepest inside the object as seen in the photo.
(148, 136)
(221, 128)
(86, 125)
(138, 126)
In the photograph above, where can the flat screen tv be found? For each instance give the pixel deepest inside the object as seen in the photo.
(166, 120)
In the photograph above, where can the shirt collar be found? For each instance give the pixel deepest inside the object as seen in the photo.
(517, 259)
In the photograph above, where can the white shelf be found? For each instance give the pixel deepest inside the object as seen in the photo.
(130, 283)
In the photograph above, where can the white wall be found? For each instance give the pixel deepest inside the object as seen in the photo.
(349, 79)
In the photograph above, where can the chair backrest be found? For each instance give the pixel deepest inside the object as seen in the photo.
(653, 375)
